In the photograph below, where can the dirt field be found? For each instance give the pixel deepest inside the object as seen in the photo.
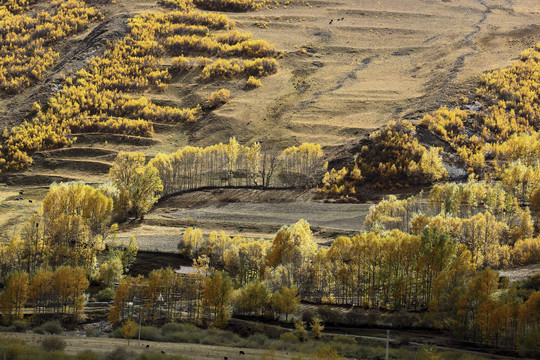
(192, 351)
(520, 273)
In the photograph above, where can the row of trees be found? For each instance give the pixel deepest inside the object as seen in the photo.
(60, 291)
(385, 270)
(203, 298)
(372, 270)
(75, 218)
(232, 164)
(486, 218)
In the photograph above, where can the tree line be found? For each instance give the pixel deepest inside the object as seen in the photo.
(484, 217)
(388, 270)
(232, 164)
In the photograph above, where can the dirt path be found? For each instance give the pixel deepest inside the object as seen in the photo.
(521, 272)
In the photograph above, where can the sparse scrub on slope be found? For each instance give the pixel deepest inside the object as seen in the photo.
(230, 69)
(226, 5)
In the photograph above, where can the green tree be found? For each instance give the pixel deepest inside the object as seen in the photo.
(129, 254)
(300, 330)
(437, 249)
(111, 271)
(286, 301)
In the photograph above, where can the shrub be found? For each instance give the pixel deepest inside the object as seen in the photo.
(120, 353)
(307, 315)
(252, 83)
(345, 339)
(403, 339)
(226, 5)
(105, 295)
(172, 328)
(329, 316)
(288, 337)
(151, 333)
(259, 340)
(181, 63)
(21, 325)
(91, 332)
(53, 343)
(229, 69)
(183, 337)
(50, 327)
(217, 98)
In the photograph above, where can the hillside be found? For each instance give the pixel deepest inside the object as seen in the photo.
(337, 80)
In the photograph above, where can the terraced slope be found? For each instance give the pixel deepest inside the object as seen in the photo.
(347, 67)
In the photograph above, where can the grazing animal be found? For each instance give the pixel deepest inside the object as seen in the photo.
(30, 201)
(342, 18)
(242, 353)
(225, 358)
(21, 192)
(147, 346)
(163, 352)
(331, 21)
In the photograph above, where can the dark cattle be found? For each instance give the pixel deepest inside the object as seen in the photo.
(331, 21)
(21, 192)
(30, 201)
(242, 353)
(225, 358)
(163, 352)
(147, 346)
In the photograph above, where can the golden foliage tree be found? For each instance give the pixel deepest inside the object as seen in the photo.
(137, 182)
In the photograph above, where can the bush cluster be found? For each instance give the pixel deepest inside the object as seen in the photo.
(25, 42)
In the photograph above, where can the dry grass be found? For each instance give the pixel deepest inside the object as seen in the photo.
(192, 351)
(13, 213)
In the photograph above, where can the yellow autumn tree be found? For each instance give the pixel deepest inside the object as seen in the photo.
(137, 182)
